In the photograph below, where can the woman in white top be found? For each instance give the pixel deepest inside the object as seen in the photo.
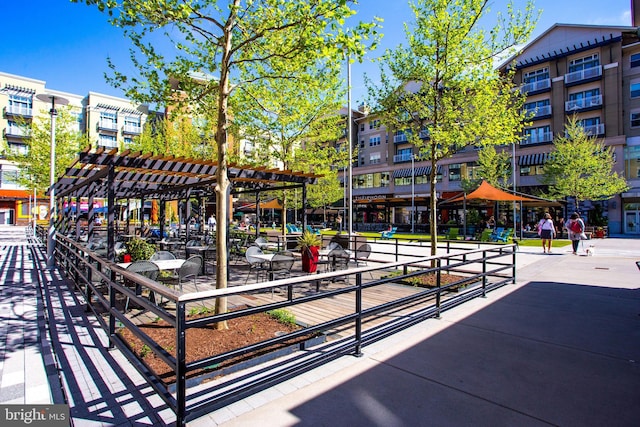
(547, 232)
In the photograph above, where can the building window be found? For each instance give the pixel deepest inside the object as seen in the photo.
(21, 105)
(374, 158)
(532, 170)
(635, 60)
(632, 162)
(362, 144)
(471, 170)
(536, 76)
(374, 140)
(454, 172)
(371, 180)
(361, 127)
(537, 108)
(635, 89)
(585, 63)
(537, 135)
(374, 124)
(132, 124)
(635, 119)
(108, 120)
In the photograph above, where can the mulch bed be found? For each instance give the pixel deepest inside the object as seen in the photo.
(208, 341)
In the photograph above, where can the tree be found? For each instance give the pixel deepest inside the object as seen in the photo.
(581, 167)
(443, 90)
(182, 137)
(494, 167)
(241, 44)
(35, 164)
(294, 121)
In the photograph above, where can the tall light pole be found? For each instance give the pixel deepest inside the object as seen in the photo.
(45, 97)
(413, 193)
(349, 113)
(513, 177)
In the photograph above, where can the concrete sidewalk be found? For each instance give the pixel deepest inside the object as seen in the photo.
(558, 348)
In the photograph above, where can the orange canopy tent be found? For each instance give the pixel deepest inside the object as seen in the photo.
(271, 204)
(488, 192)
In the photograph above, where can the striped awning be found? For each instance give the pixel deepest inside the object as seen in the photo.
(419, 171)
(533, 159)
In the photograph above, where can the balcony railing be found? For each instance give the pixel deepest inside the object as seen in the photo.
(536, 86)
(580, 104)
(132, 129)
(544, 110)
(16, 110)
(404, 157)
(594, 130)
(587, 73)
(15, 132)
(537, 138)
(107, 125)
(400, 138)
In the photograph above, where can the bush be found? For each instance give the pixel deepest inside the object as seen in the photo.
(283, 316)
(139, 249)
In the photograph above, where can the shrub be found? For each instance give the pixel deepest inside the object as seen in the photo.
(139, 249)
(283, 316)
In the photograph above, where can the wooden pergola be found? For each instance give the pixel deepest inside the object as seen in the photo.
(114, 176)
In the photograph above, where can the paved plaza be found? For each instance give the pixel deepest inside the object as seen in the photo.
(560, 347)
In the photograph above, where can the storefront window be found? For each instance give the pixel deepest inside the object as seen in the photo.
(632, 162)
(371, 180)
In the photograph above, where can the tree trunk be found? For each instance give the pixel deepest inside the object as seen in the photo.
(222, 184)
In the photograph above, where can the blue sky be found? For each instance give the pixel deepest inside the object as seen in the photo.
(66, 44)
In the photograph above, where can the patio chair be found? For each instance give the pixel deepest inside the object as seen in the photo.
(281, 266)
(143, 268)
(497, 232)
(339, 259)
(312, 230)
(190, 270)
(256, 264)
(388, 234)
(160, 255)
(485, 236)
(453, 233)
(362, 255)
(505, 236)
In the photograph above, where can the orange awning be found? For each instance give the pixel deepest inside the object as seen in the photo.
(488, 192)
(15, 194)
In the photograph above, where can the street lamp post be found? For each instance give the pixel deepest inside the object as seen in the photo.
(349, 114)
(413, 193)
(45, 97)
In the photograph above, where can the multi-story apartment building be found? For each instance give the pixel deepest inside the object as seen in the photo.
(107, 120)
(590, 71)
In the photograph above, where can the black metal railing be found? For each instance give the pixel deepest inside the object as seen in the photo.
(104, 284)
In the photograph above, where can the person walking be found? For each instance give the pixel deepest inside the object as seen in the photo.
(212, 223)
(575, 228)
(547, 232)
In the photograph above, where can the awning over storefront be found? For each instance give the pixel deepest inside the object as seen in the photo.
(533, 159)
(419, 171)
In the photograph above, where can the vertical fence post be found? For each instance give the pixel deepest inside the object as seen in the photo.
(438, 284)
(484, 274)
(358, 348)
(513, 268)
(181, 364)
(112, 306)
